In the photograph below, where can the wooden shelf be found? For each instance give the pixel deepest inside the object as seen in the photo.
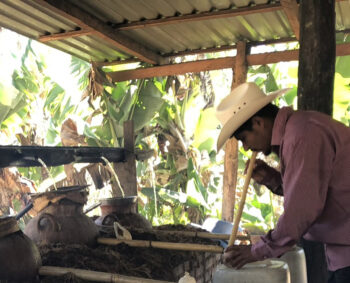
(27, 156)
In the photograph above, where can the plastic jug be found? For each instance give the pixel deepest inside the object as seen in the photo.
(272, 271)
(296, 261)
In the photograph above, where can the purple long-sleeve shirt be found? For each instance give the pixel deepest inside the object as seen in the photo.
(314, 152)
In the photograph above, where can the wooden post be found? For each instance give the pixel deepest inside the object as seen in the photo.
(315, 91)
(231, 148)
(126, 171)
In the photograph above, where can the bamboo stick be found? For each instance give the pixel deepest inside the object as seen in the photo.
(162, 245)
(241, 204)
(197, 234)
(95, 276)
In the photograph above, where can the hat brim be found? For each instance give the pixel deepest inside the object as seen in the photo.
(241, 117)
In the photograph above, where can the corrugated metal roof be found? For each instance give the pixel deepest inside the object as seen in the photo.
(35, 18)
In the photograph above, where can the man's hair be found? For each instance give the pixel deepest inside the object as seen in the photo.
(268, 111)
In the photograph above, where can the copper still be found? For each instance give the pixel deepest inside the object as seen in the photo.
(19, 257)
(122, 210)
(61, 219)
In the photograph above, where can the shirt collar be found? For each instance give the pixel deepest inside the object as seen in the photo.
(279, 125)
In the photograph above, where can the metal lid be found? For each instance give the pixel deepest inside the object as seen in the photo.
(8, 225)
(128, 200)
(61, 190)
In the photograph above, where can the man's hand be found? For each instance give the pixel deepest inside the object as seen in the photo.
(260, 170)
(263, 174)
(237, 256)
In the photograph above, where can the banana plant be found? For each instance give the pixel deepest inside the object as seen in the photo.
(39, 105)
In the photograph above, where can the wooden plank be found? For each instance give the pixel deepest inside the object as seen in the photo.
(227, 13)
(315, 92)
(273, 57)
(229, 47)
(231, 148)
(64, 35)
(291, 8)
(126, 171)
(203, 51)
(214, 64)
(85, 20)
(117, 62)
(175, 69)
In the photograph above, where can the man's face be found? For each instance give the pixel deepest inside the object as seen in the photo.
(259, 138)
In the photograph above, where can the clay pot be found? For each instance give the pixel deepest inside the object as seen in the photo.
(19, 257)
(123, 211)
(62, 222)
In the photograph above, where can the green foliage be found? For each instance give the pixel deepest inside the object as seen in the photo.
(171, 115)
(80, 69)
(149, 102)
(39, 104)
(11, 102)
(342, 63)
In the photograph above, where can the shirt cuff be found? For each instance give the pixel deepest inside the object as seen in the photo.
(260, 251)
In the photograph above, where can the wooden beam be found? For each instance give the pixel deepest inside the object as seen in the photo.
(231, 147)
(127, 170)
(200, 51)
(273, 57)
(228, 47)
(85, 20)
(117, 62)
(227, 13)
(214, 64)
(291, 8)
(64, 35)
(175, 69)
(241, 65)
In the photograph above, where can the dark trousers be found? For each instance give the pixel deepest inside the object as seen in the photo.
(339, 276)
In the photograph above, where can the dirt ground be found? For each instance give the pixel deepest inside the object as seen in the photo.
(122, 259)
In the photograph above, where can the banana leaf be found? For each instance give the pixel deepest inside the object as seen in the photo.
(149, 102)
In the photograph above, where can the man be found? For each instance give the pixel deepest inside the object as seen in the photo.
(314, 152)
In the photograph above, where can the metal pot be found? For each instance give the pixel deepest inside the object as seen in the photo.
(19, 257)
(63, 222)
(123, 211)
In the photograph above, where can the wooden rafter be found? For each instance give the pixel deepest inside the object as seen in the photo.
(230, 47)
(201, 51)
(214, 64)
(63, 35)
(87, 21)
(291, 8)
(117, 62)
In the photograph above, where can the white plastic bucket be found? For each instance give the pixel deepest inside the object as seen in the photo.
(295, 258)
(296, 261)
(270, 270)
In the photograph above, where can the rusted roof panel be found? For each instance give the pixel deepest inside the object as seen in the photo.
(33, 19)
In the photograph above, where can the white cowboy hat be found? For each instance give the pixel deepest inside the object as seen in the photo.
(240, 105)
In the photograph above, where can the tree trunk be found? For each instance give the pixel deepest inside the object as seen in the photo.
(316, 56)
(315, 91)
